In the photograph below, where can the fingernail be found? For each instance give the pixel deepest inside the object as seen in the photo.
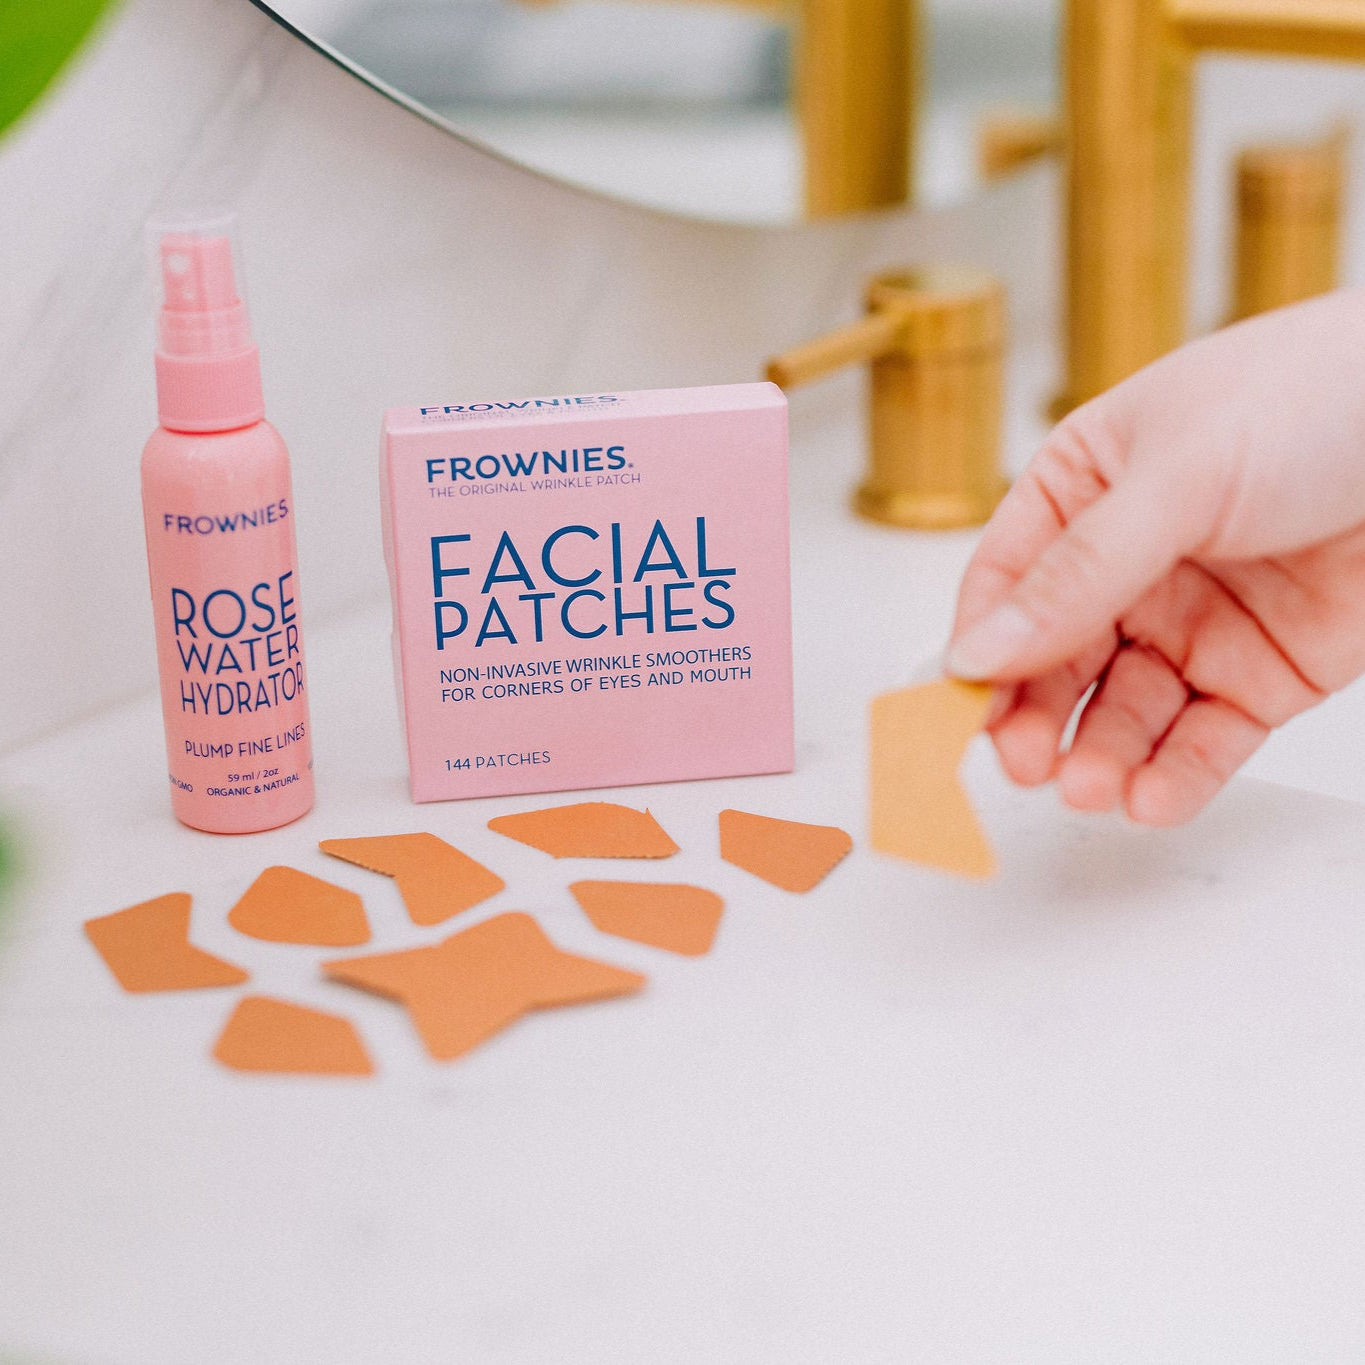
(1002, 698)
(991, 645)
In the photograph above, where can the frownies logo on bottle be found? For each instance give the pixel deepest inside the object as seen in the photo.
(221, 523)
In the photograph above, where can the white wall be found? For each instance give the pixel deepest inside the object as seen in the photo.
(388, 263)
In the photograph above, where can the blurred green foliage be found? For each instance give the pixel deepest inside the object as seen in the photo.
(36, 38)
(6, 866)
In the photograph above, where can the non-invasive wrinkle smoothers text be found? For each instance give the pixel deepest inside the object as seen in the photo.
(219, 513)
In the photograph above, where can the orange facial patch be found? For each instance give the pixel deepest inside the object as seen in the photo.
(787, 853)
(272, 1035)
(148, 948)
(435, 879)
(473, 984)
(284, 905)
(682, 919)
(920, 810)
(591, 829)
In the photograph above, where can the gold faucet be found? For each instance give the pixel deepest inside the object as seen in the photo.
(1007, 140)
(857, 81)
(1289, 215)
(1129, 71)
(935, 338)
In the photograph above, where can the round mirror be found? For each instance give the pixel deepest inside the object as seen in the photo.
(752, 111)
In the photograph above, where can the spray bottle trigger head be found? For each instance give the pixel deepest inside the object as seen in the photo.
(196, 273)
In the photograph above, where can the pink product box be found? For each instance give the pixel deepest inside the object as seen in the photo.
(590, 590)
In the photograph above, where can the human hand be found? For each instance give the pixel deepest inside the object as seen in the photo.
(1194, 542)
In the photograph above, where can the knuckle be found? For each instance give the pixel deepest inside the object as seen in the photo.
(1205, 758)
(1062, 579)
(1092, 444)
(1133, 716)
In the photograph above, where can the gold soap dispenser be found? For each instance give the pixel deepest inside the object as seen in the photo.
(1289, 223)
(935, 340)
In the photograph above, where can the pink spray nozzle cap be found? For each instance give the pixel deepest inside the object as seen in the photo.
(196, 273)
(201, 310)
(207, 366)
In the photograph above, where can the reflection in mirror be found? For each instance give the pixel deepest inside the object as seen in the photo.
(691, 106)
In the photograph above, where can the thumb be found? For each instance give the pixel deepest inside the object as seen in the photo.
(1077, 588)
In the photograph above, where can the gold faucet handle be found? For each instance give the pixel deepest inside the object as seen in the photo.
(934, 337)
(874, 335)
(1009, 140)
(929, 312)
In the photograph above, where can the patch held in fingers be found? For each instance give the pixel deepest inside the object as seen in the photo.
(919, 809)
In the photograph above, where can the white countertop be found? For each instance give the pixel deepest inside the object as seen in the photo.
(1109, 1107)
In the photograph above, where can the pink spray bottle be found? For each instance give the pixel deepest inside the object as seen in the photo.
(219, 515)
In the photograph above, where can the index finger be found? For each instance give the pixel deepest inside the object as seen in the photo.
(1061, 480)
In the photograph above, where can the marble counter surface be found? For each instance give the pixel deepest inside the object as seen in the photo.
(1108, 1107)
